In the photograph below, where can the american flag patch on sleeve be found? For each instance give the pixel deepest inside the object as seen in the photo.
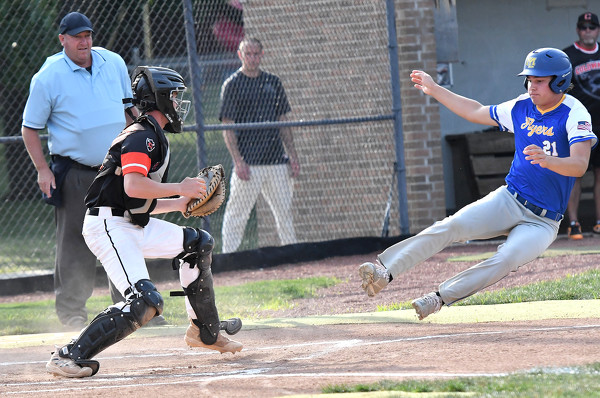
(584, 126)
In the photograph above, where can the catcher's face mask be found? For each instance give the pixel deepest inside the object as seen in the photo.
(180, 104)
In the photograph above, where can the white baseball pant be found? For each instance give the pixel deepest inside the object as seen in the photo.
(276, 185)
(122, 248)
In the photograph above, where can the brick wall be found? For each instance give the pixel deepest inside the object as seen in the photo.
(420, 115)
(332, 57)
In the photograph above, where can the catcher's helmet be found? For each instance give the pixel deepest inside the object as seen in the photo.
(549, 62)
(160, 88)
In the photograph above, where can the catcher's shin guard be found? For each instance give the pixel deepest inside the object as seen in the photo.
(114, 324)
(197, 281)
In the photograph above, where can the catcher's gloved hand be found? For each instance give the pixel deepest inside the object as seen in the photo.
(214, 176)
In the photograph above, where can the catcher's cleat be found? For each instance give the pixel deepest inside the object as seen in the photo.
(66, 367)
(427, 305)
(374, 278)
(223, 344)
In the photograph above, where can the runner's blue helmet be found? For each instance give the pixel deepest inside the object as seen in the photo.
(549, 62)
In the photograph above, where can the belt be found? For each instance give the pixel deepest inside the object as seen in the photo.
(94, 211)
(80, 166)
(77, 165)
(538, 211)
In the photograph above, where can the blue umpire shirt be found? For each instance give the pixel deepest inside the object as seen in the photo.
(83, 112)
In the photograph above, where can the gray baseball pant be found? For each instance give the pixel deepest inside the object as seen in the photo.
(496, 214)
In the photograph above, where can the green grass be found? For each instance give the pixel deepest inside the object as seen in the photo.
(548, 253)
(248, 300)
(581, 381)
(584, 286)
(26, 236)
(244, 301)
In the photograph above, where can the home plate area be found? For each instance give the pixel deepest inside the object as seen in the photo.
(302, 359)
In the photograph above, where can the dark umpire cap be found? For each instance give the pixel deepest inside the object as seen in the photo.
(588, 17)
(74, 23)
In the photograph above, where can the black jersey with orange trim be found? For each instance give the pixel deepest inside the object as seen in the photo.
(140, 148)
(586, 79)
(586, 86)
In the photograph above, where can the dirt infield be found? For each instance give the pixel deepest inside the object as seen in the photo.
(299, 356)
(301, 360)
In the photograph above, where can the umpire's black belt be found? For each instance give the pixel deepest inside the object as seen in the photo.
(80, 166)
(76, 164)
(94, 211)
(538, 211)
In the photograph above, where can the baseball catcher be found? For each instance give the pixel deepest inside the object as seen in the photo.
(118, 228)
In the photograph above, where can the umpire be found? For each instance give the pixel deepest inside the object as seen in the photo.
(78, 95)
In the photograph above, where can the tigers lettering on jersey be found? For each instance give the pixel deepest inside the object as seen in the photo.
(536, 129)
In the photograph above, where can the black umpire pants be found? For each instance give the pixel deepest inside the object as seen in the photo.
(75, 265)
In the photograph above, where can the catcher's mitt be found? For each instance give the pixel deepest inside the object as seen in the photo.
(215, 193)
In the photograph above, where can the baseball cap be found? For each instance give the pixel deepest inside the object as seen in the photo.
(589, 18)
(75, 22)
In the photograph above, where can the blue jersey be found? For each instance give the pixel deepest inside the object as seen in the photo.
(554, 130)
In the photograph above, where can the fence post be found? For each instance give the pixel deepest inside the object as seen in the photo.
(397, 111)
(195, 72)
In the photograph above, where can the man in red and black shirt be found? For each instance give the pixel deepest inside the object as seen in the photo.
(585, 59)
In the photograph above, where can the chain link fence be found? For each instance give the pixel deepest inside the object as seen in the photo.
(331, 57)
